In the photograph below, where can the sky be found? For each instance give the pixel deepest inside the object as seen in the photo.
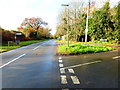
(13, 12)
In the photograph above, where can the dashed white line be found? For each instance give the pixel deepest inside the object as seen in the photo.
(60, 61)
(71, 71)
(116, 57)
(60, 65)
(66, 89)
(75, 80)
(62, 70)
(36, 47)
(60, 58)
(12, 60)
(63, 79)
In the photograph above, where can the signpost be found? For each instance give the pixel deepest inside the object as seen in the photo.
(17, 42)
(17, 34)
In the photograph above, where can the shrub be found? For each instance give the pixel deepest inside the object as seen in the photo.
(82, 49)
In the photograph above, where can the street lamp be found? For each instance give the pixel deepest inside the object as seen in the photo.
(66, 5)
(86, 30)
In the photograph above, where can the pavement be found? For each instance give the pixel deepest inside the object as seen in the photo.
(37, 66)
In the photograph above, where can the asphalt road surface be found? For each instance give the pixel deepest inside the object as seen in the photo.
(37, 66)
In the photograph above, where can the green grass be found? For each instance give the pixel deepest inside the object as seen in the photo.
(76, 49)
(7, 48)
(62, 41)
(94, 42)
(23, 43)
(101, 42)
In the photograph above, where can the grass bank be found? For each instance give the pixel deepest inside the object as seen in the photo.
(62, 41)
(76, 49)
(5, 48)
(94, 42)
(101, 42)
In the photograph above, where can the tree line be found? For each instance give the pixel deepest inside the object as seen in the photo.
(35, 28)
(31, 29)
(103, 22)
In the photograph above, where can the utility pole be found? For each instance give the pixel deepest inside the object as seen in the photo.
(67, 24)
(86, 30)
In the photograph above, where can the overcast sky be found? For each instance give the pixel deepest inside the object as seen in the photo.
(13, 12)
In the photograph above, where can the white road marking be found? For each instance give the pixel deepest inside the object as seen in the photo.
(71, 71)
(62, 70)
(60, 58)
(60, 61)
(116, 57)
(60, 65)
(66, 89)
(63, 79)
(39, 46)
(82, 64)
(75, 80)
(12, 60)
(36, 47)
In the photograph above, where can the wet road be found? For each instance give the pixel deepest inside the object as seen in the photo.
(36, 66)
(93, 70)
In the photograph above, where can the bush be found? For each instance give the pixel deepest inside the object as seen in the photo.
(102, 42)
(82, 49)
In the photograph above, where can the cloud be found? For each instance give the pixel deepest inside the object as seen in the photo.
(13, 12)
(48, 2)
(100, 3)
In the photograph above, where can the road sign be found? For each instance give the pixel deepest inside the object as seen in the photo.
(18, 33)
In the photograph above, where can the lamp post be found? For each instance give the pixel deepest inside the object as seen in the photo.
(66, 5)
(86, 30)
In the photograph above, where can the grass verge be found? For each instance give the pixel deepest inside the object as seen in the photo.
(101, 42)
(62, 41)
(76, 49)
(5, 48)
(94, 42)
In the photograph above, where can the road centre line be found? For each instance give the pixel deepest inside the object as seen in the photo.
(60, 58)
(60, 65)
(71, 70)
(62, 70)
(39, 46)
(36, 47)
(66, 89)
(60, 61)
(82, 64)
(116, 57)
(75, 79)
(63, 79)
(12, 60)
